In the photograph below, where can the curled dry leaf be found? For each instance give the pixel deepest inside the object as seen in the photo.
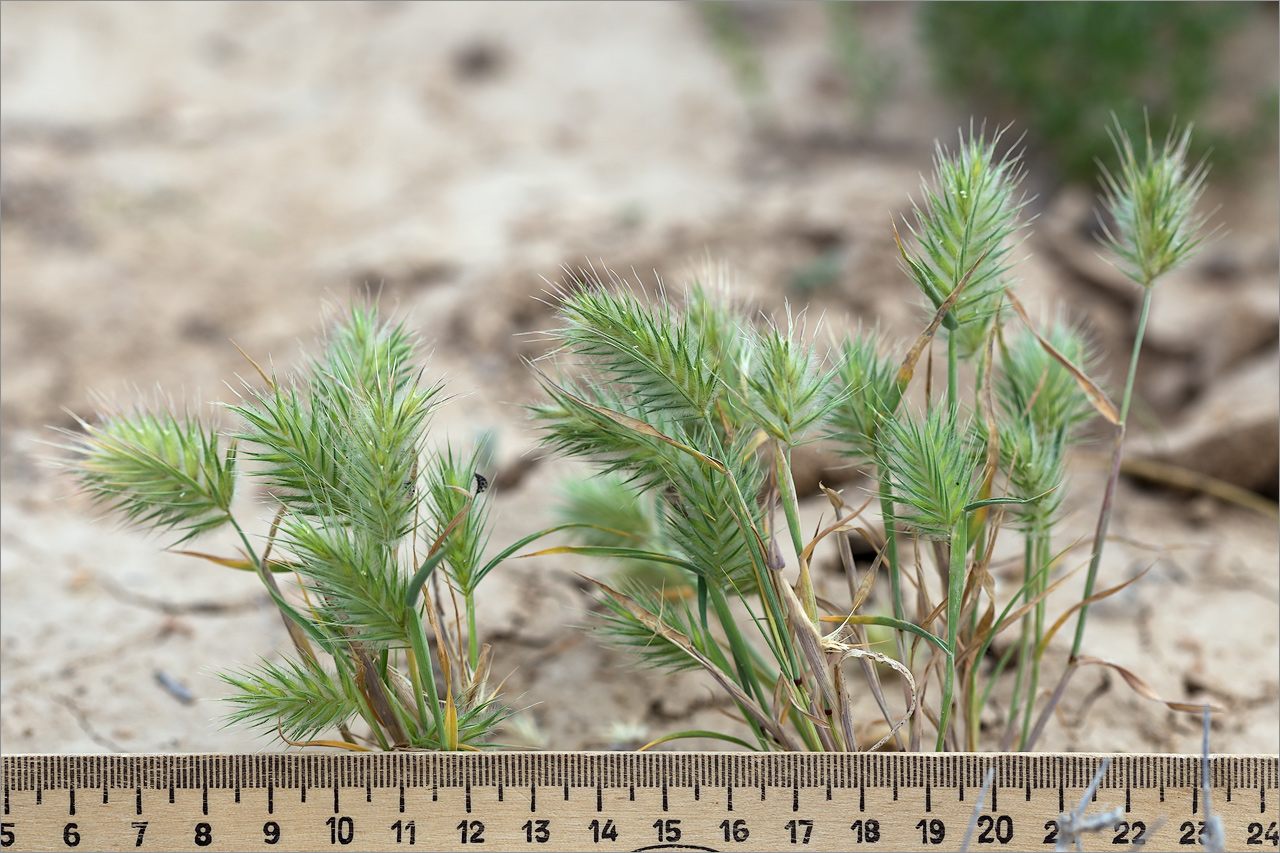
(838, 525)
(840, 652)
(1013, 618)
(1145, 690)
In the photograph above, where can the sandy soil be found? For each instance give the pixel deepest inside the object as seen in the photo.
(175, 176)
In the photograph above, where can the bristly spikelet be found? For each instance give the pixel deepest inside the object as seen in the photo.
(295, 699)
(614, 415)
(157, 469)
(1151, 204)
(869, 377)
(1035, 389)
(364, 352)
(1036, 466)
(971, 213)
(1043, 408)
(450, 500)
(787, 390)
(699, 519)
(573, 424)
(719, 324)
(645, 346)
(357, 587)
(931, 466)
(345, 443)
(619, 627)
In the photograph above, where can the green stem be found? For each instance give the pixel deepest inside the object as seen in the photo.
(808, 599)
(473, 642)
(415, 678)
(737, 645)
(891, 557)
(787, 495)
(775, 616)
(953, 381)
(422, 675)
(1104, 516)
(1041, 563)
(955, 591)
(1133, 359)
(895, 581)
(791, 509)
(747, 663)
(1024, 640)
(973, 718)
(244, 538)
(715, 653)
(293, 621)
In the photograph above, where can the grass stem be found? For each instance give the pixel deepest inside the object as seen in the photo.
(1104, 516)
(420, 667)
(1040, 568)
(473, 639)
(953, 372)
(955, 593)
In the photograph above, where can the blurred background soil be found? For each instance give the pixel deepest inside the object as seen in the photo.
(175, 176)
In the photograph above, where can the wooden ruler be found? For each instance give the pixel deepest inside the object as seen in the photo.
(627, 801)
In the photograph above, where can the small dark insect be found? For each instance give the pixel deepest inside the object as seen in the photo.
(481, 483)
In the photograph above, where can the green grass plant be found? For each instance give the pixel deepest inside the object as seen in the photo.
(367, 516)
(692, 408)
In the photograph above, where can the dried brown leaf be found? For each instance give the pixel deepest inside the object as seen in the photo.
(1015, 616)
(837, 525)
(907, 370)
(261, 372)
(1097, 596)
(1143, 689)
(868, 581)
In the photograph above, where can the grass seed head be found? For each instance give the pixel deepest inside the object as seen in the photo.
(932, 467)
(1150, 203)
(970, 215)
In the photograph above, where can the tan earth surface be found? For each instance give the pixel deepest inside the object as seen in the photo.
(178, 175)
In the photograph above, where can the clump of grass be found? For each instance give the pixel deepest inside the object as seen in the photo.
(366, 518)
(692, 413)
(1060, 68)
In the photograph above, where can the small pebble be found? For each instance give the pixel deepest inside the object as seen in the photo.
(175, 688)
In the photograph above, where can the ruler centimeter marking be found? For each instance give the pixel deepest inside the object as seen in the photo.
(624, 801)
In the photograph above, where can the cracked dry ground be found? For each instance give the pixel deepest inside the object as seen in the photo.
(241, 164)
